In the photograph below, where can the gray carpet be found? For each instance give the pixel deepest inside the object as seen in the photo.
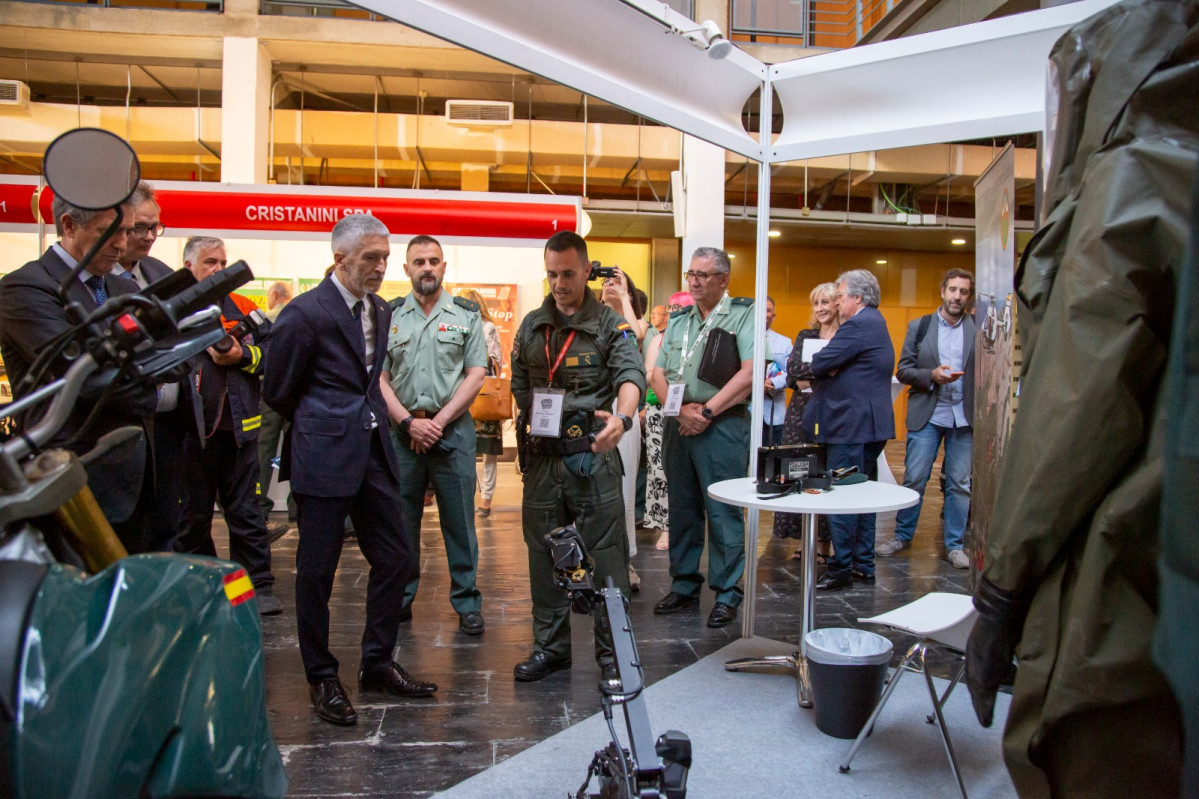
(751, 739)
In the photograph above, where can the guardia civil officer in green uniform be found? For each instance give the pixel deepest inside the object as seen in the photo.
(571, 358)
(435, 361)
(706, 439)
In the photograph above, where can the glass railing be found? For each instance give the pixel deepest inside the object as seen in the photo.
(314, 8)
(812, 23)
(216, 6)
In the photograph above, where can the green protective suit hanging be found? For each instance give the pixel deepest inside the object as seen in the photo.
(1070, 579)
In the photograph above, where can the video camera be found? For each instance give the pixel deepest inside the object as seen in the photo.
(245, 326)
(638, 771)
(600, 272)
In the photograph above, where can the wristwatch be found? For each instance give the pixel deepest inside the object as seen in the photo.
(627, 421)
(706, 412)
(407, 423)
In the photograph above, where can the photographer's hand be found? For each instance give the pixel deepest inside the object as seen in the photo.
(230, 358)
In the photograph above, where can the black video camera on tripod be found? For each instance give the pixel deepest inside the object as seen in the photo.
(638, 771)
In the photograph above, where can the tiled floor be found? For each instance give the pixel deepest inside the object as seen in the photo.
(413, 748)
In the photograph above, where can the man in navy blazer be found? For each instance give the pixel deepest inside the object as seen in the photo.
(32, 314)
(322, 375)
(851, 412)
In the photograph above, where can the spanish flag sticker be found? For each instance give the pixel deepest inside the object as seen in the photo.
(238, 587)
(623, 326)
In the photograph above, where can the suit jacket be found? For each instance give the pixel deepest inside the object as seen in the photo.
(31, 314)
(154, 269)
(916, 365)
(854, 405)
(315, 378)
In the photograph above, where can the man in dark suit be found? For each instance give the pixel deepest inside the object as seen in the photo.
(851, 412)
(32, 314)
(322, 376)
(179, 419)
(143, 227)
(937, 363)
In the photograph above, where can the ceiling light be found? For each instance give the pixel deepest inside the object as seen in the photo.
(732, 255)
(881, 261)
(958, 242)
(774, 234)
(708, 36)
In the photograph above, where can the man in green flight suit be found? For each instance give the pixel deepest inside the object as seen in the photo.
(435, 361)
(570, 359)
(706, 438)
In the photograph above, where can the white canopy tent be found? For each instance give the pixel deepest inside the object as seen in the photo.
(981, 80)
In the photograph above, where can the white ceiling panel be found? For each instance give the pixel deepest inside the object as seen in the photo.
(607, 49)
(974, 81)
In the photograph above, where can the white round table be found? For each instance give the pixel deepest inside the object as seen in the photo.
(867, 497)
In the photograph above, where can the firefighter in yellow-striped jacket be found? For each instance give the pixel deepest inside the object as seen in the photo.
(226, 461)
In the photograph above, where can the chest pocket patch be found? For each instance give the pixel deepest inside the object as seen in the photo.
(583, 359)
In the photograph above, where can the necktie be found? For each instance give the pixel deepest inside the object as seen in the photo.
(128, 275)
(357, 310)
(96, 284)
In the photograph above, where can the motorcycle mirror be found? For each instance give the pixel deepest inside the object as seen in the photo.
(91, 168)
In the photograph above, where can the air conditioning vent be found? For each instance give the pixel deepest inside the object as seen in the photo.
(14, 93)
(478, 113)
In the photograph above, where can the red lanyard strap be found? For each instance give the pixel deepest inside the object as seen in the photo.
(561, 353)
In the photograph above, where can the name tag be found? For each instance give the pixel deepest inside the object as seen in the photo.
(545, 418)
(674, 399)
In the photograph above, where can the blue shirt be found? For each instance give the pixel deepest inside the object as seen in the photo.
(951, 345)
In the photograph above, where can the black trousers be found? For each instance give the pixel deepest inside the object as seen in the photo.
(174, 441)
(228, 472)
(374, 510)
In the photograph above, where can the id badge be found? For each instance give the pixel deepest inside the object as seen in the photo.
(546, 417)
(674, 399)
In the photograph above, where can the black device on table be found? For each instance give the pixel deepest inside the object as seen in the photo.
(647, 768)
(788, 468)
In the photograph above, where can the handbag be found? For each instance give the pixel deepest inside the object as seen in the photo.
(494, 401)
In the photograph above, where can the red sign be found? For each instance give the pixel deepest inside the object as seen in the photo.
(16, 204)
(296, 211)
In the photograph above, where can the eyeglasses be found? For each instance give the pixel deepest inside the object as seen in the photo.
(143, 231)
(691, 274)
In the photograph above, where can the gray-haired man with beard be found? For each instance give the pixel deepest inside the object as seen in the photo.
(436, 357)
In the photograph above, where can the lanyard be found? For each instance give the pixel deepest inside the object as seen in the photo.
(703, 330)
(561, 353)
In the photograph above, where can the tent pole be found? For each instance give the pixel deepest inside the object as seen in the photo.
(761, 272)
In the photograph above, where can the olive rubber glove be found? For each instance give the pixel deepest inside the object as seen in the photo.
(992, 645)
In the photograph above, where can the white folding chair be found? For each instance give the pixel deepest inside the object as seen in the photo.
(937, 620)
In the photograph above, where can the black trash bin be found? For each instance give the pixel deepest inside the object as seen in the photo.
(847, 668)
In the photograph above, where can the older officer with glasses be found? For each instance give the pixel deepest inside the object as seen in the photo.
(706, 439)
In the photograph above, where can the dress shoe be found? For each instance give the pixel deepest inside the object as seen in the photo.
(331, 703)
(275, 531)
(268, 605)
(392, 679)
(722, 615)
(405, 614)
(860, 576)
(539, 665)
(673, 603)
(834, 582)
(471, 622)
(483, 513)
